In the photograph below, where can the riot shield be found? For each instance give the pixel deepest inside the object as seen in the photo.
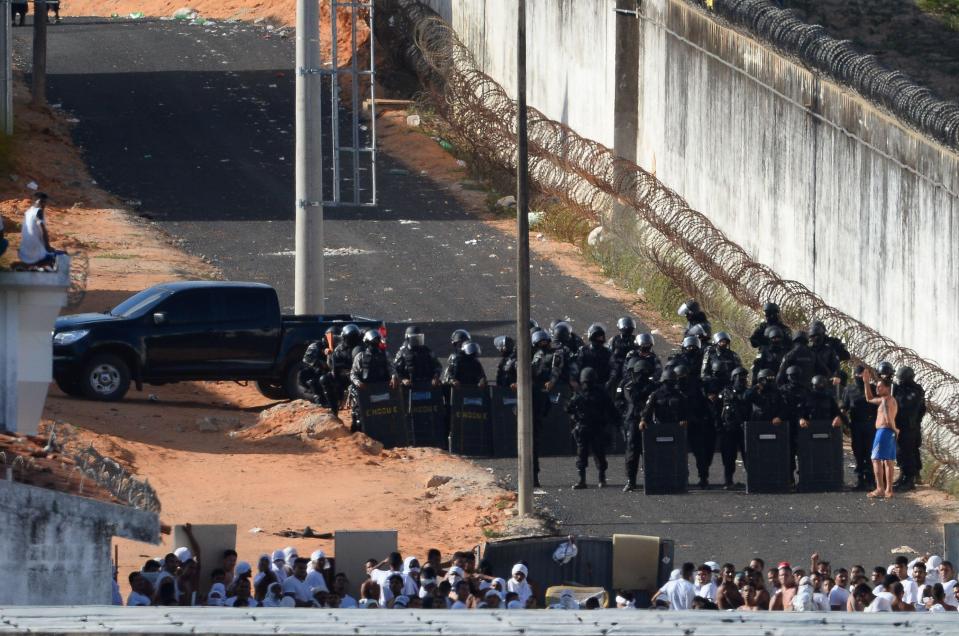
(503, 421)
(665, 466)
(555, 438)
(820, 457)
(767, 457)
(382, 415)
(470, 432)
(427, 415)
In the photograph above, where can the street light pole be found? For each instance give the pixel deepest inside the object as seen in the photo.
(524, 388)
(309, 275)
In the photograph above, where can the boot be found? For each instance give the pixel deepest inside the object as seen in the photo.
(630, 486)
(602, 479)
(908, 483)
(536, 481)
(898, 483)
(861, 482)
(581, 484)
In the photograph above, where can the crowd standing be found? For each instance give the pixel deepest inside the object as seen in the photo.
(796, 377)
(285, 579)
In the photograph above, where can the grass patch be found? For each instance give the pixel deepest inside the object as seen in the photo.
(945, 10)
(118, 257)
(492, 534)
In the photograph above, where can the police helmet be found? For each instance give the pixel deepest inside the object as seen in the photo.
(774, 333)
(351, 335)
(718, 366)
(372, 336)
(720, 336)
(739, 371)
(668, 375)
(471, 349)
(820, 382)
(690, 342)
(626, 324)
(312, 353)
(415, 336)
(539, 336)
(596, 331)
(765, 375)
(800, 336)
(689, 307)
(770, 310)
(460, 336)
(504, 344)
(794, 372)
(587, 376)
(681, 371)
(645, 340)
(697, 330)
(817, 328)
(641, 366)
(561, 331)
(885, 368)
(905, 374)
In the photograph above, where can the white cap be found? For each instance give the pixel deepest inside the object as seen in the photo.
(241, 568)
(675, 575)
(712, 566)
(183, 554)
(278, 555)
(317, 555)
(290, 552)
(519, 567)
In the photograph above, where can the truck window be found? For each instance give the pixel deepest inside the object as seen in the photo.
(245, 305)
(139, 304)
(189, 306)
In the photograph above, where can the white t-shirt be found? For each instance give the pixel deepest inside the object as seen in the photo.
(299, 589)
(949, 588)
(882, 603)
(348, 602)
(279, 572)
(32, 250)
(382, 577)
(821, 602)
(316, 581)
(137, 600)
(707, 590)
(910, 591)
(839, 596)
(680, 594)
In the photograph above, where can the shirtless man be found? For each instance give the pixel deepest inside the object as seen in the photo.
(782, 600)
(884, 444)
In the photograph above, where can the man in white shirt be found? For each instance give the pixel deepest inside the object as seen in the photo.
(873, 601)
(839, 594)
(314, 575)
(705, 585)
(919, 581)
(381, 578)
(340, 585)
(947, 576)
(295, 586)
(35, 247)
(140, 590)
(679, 591)
(279, 565)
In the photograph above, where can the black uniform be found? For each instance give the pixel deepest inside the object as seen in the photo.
(698, 318)
(911, 399)
(767, 403)
(371, 365)
(861, 416)
(598, 358)
(563, 365)
(337, 379)
(666, 405)
(692, 360)
(702, 427)
(803, 357)
(637, 386)
(465, 369)
(620, 349)
(820, 405)
(796, 396)
(417, 364)
(770, 357)
(728, 361)
(736, 411)
(542, 371)
(759, 340)
(590, 409)
(311, 374)
(506, 370)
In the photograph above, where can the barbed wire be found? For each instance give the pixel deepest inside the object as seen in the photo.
(589, 178)
(107, 473)
(839, 59)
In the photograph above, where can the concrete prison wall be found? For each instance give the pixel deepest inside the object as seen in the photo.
(808, 176)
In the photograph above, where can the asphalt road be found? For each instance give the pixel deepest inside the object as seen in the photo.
(196, 124)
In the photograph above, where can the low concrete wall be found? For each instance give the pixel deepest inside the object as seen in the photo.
(809, 177)
(55, 548)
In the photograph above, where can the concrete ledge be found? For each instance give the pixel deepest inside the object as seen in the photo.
(221, 620)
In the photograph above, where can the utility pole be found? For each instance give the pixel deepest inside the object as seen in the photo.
(6, 49)
(309, 275)
(39, 51)
(524, 386)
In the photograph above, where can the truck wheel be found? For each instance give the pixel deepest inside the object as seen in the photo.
(69, 386)
(294, 389)
(105, 377)
(271, 390)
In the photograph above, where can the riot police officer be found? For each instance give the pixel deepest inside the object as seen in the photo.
(771, 354)
(719, 353)
(414, 362)
(796, 393)
(465, 368)
(544, 377)
(825, 353)
(694, 315)
(766, 400)
(314, 367)
(370, 366)
(736, 411)
(595, 355)
(820, 404)
(506, 367)
(702, 427)
(457, 339)
(590, 409)
(337, 379)
(690, 357)
(570, 338)
(666, 405)
(911, 398)
(760, 337)
(565, 367)
(800, 356)
(620, 346)
(637, 385)
(861, 415)
(644, 351)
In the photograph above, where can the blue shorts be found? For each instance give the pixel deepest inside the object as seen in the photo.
(884, 445)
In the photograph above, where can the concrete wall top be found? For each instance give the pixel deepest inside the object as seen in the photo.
(118, 521)
(26, 280)
(222, 620)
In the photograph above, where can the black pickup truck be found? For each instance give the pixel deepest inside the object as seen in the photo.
(189, 331)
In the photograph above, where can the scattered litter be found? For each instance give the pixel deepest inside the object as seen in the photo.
(185, 13)
(256, 530)
(539, 492)
(595, 236)
(461, 163)
(305, 533)
(534, 218)
(904, 549)
(400, 171)
(136, 15)
(508, 201)
(148, 156)
(153, 397)
(445, 145)
(540, 237)
(408, 222)
(224, 161)
(471, 242)
(412, 120)
(33, 185)
(641, 293)
(655, 332)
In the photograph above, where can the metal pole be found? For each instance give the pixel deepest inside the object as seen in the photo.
(6, 49)
(40, 53)
(524, 388)
(309, 277)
